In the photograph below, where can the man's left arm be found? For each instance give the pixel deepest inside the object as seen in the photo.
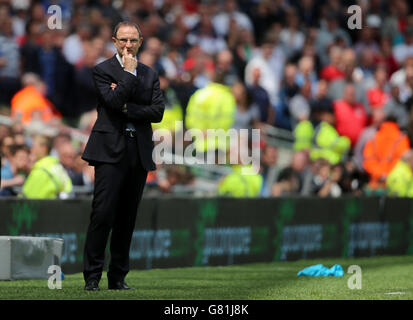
(153, 112)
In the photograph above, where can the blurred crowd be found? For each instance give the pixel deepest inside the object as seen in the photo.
(345, 94)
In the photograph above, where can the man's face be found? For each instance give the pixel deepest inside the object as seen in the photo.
(38, 151)
(127, 36)
(67, 156)
(350, 94)
(21, 160)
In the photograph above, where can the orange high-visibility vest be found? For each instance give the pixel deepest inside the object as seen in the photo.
(27, 101)
(383, 152)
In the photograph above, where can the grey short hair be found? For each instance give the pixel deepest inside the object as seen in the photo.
(129, 24)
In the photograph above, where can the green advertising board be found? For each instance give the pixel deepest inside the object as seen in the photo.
(183, 232)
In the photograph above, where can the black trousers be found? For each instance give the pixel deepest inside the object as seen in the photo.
(117, 193)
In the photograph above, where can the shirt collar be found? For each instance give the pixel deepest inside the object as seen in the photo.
(119, 59)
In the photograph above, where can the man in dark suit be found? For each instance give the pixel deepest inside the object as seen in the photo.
(120, 148)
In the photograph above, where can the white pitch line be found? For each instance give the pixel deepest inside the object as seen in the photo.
(395, 293)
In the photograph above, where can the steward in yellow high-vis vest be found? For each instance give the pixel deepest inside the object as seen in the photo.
(242, 182)
(47, 179)
(328, 144)
(323, 141)
(212, 107)
(399, 182)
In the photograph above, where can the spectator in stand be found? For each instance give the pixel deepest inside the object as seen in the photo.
(404, 50)
(386, 56)
(325, 180)
(289, 89)
(30, 43)
(268, 169)
(328, 33)
(306, 73)
(84, 88)
(383, 152)
(74, 44)
(321, 99)
(395, 22)
(378, 96)
(399, 79)
(351, 117)
(222, 20)
(378, 116)
(241, 43)
(331, 186)
(367, 66)
(299, 167)
(396, 107)
(261, 99)
(155, 47)
(266, 15)
(6, 143)
(4, 132)
(9, 63)
(366, 41)
(308, 11)
(353, 180)
(247, 114)
(67, 157)
(16, 172)
(333, 71)
(225, 62)
(205, 36)
(299, 106)
(287, 184)
(291, 38)
(270, 60)
(352, 74)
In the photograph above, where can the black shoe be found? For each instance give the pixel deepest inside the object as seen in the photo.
(92, 285)
(119, 285)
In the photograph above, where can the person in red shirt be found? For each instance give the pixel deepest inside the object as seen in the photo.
(351, 117)
(377, 96)
(333, 71)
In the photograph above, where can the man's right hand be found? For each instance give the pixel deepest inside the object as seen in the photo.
(129, 62)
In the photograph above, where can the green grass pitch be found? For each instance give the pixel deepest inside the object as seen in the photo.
(387, 277)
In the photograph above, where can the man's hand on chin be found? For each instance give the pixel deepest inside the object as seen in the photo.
(129, 62)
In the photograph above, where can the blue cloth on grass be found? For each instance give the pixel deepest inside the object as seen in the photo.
(319, 270)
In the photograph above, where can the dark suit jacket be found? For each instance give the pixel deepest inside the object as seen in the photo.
(143, 98)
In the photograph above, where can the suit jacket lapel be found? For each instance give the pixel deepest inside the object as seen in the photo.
(139, 72)
(116, 67)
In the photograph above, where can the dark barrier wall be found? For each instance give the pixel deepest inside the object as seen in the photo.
(221, 231)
